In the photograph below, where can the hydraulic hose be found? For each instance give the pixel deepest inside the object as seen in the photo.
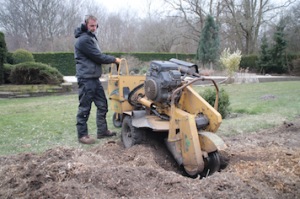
(159, 115)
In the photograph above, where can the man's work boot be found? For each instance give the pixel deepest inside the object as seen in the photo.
(86, 140)
(108, 133)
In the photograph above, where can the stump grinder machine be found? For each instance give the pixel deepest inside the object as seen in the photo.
(163, 100)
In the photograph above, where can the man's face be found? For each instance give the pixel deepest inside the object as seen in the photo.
(92, 25)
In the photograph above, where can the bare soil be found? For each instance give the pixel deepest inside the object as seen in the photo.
(262, 164)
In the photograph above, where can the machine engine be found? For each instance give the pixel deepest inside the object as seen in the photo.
(164, 77)
(161, 79)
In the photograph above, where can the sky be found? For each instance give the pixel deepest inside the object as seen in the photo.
(113, 5)
(139, 6)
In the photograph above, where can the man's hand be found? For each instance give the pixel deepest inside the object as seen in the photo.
(118, 60)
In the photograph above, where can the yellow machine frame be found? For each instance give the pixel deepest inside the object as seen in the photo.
(189, 146)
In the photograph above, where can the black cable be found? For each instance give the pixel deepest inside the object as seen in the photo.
(131, 94)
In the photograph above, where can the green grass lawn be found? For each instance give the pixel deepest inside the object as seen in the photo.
(259, 114)
(37, 124)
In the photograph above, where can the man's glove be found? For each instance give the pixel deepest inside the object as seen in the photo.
(118, 60)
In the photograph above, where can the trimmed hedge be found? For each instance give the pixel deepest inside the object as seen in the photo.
(9, 58)
(65, 63)
(35, 73)
(152, 56)
(6, 72)
(296, 67)
(3, 52)
(249, 61)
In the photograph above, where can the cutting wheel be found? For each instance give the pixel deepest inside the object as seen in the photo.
(212, 164)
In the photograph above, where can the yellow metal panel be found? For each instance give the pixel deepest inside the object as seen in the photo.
(116, 106)
(130, 81)
(190, 146)
(118, 102)
(193, 103)
(210, 142)
(126, 106)
(188, 137)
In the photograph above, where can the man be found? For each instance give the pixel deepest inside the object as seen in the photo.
(88, 59)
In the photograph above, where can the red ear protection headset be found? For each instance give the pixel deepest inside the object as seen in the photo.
(84, 24)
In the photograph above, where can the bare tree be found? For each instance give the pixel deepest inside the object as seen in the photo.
(11, 22)
(193, 13)
(47, 16)
(157, 35)
(292, 29)
(36, 21)
(72, 16)
(247, 16)
(154, 33)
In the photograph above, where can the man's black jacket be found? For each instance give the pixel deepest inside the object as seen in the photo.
(88, 55)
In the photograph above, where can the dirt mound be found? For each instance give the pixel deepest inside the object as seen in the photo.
(268, 97)
(262, 164)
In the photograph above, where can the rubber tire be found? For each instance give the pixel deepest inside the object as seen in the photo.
(212, 164)
(117, 123)
(129, 134)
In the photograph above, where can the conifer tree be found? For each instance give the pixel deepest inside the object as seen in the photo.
(264, 58)
(209, 42)
(277, 51)
(3, 52)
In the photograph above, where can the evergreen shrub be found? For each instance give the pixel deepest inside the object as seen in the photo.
(35, 73)
(210, 96)
(21, 55)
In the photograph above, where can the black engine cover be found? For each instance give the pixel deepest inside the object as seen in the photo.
(161, 79)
